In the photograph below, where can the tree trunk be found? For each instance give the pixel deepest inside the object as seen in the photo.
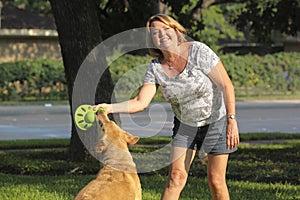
(201, 5)
(79, 32)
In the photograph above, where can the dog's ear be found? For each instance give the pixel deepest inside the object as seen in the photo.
(130, 139)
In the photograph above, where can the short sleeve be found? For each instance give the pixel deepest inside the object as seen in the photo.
(205, 57)
(149, 76)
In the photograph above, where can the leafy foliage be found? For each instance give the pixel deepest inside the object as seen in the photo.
(258, 75)
(117, 16)
(217, 28)
(252, 75)
(256, 20)
(32, 5)
(40, 79)
(260, 18)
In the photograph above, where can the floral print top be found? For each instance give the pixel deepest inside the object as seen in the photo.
(194, 98)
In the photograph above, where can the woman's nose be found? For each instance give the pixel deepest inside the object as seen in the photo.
(162, 33)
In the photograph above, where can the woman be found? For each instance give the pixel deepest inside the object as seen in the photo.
(195, 82)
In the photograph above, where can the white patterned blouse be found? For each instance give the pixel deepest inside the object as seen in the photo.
(194, 98)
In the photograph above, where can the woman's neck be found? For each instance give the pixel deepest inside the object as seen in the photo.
(171, 55)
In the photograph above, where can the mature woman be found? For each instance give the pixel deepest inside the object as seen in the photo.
(195, 82)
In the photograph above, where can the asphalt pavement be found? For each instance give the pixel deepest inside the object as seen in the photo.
(54, 121)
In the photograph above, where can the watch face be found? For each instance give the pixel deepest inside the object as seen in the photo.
(231, 116)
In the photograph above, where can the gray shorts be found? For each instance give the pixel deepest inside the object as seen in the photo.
(212, 137)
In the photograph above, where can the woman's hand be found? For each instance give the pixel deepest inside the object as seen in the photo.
(233, 138)
(107, 107)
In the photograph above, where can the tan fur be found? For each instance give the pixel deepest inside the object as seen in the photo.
(118, 179)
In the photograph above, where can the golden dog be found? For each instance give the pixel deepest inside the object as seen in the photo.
(118, 178)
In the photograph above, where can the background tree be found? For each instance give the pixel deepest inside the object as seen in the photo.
(79, 32)
(204, 20)
(257, 19)
(117, 16)
(43, 7)
(260, 20)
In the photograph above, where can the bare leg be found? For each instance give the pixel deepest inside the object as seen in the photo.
(178, 174)
(216, 174)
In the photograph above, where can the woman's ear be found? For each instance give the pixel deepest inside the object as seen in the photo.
(178, 37)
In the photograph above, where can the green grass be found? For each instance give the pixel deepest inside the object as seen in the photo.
(33, 102)
(34, 143)
(66, 187)
(274, 97)
(64, 142)
(267, 171)
(269, 136)
(19, 187)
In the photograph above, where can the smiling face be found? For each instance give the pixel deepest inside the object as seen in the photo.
(161, 31)
(163, 36)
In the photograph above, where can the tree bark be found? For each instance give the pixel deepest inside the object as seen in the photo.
(79, 32)
(201, 5)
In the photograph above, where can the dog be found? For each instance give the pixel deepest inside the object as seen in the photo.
(118, 178)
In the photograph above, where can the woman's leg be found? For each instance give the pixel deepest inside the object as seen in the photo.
(216, 174)
(178, 174)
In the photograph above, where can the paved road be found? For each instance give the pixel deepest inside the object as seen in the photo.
(28, 122)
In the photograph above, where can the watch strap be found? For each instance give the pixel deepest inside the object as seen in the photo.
(231, 116)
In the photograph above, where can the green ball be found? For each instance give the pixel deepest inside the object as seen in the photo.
(89, 117)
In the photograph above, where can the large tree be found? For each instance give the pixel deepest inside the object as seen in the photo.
(79, 33)
(260, 19)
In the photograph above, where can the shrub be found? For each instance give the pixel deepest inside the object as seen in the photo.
(252, 75)
(37, 79)
(264, 75)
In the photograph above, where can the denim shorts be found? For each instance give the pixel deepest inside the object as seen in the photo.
(212, 137)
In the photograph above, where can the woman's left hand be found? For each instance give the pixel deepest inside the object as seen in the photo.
(233, 138)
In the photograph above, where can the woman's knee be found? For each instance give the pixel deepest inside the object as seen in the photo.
(216, 180)
(177, 178)
(216, 171)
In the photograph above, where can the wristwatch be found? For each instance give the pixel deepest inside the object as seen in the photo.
(231, 116)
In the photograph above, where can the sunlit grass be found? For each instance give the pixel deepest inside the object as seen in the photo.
(18, 187)
(255, 171)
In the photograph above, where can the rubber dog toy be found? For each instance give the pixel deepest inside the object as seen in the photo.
(85, 116)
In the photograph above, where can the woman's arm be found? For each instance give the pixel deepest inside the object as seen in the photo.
(139, 103)
(220, 77)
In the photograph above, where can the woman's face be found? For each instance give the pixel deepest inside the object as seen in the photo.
(163, 36)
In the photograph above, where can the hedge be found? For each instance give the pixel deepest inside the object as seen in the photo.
(37, 79)
(251, 75)
(264, 75)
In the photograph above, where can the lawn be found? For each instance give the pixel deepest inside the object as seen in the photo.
(260, 171)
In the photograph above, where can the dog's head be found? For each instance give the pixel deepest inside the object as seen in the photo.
(113, 135)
